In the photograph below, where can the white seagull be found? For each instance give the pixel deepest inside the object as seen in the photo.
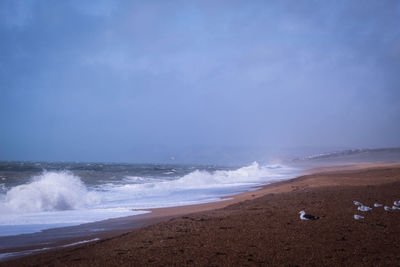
(397, 203)
(387, 208)
(357, 203)
(395, 208)
(377, 205)
(358, 217)
(364, 208)
(305, 216)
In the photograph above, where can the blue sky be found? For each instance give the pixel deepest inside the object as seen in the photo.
(139, 81)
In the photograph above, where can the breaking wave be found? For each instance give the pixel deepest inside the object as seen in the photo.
(50, 191)
(56, 198)
(199, 180)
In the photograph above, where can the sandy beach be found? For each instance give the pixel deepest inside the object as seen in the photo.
(259, 228)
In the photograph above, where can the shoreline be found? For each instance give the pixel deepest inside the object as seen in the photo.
(333, 176)
(116, 226)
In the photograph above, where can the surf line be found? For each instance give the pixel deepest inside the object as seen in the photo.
(8, 255)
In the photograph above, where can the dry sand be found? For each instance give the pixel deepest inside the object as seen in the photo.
(261, 228)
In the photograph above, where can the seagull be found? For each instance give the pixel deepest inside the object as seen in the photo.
(364, 208)
(305, 216)
(397, 203)
(395, 208)
(358, 217)
(377, 205)
(387, 208)
(357, 203)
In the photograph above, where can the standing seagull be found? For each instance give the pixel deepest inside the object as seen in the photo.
(387, 208)
(357, 203)
(397, 203)
(305, 216)
(358, 217)
(364, 208)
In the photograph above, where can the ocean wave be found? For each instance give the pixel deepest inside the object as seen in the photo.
(62, 190)
(253, 174)
(3, 188)
(50, 191)
(56, 198)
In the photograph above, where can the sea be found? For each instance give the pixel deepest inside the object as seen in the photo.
(35, 196)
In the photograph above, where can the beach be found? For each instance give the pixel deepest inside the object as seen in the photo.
(199, 133)
(259, 228)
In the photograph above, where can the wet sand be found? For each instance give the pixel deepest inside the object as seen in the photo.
(259, 228)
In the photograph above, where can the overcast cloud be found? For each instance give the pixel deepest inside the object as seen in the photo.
(139, 81)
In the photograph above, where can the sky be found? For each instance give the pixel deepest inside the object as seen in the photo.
(142, 81)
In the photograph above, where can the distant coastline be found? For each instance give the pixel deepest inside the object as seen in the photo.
(349, 152)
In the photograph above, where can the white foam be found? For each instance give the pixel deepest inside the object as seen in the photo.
(81, 242)
(253, 174)
(3, 188)
(9, 255)
(49, 191)
(194, 188)
(50, 200)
